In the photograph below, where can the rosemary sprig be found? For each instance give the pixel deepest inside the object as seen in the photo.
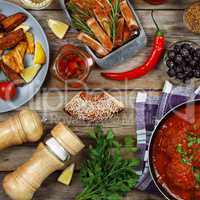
(76, 10)
(114, 17)
(80, 24)
(79, 18)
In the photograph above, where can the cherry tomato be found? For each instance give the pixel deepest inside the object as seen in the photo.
(7, 91)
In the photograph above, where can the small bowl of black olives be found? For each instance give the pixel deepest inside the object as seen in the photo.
(183, 61)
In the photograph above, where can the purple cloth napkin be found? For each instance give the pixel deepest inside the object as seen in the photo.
(149, 110)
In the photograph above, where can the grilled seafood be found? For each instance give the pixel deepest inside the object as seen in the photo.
(106, 23)
(100, 34)
(93, 44)
(11, 39)
(128, 15)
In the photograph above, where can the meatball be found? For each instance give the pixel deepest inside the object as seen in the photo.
(180, 175)
(173, 141)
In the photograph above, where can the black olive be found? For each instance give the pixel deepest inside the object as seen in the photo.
(178, 69)
(184, 52)
(171, 72)
(197, 53)
(177, 48)
(197, 74)
(186, 46)
(180, 76)
(192, 51)
(192, 63)
(187, 69)
(190, 74)
(178, 59)
(170, 63)
(171, 54)
(196, 58)
(188, 59)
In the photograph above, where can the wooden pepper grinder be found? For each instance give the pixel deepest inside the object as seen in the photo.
(25, 126)
(49, 157)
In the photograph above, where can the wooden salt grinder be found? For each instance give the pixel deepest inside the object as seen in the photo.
(25, 126)
(49, 157)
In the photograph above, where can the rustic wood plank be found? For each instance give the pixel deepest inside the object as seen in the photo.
(139, 4)
(170, 21)
(13, 157)
(50, 105)
(51, 190)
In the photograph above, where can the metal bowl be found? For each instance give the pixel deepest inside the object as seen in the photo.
(122, 53)
(162, 190)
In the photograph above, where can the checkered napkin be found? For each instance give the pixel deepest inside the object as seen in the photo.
(149, 110)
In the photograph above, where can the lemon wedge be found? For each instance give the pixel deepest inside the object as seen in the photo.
(40, 56)
(58, 28)
(66, 176)
(29, 73)
(24, 27)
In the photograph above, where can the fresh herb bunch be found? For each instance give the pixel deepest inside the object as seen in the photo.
(114, 16)
(106, 175)
(79, 18)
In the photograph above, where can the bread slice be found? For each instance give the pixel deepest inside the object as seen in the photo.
(92, 43)
(93, 108)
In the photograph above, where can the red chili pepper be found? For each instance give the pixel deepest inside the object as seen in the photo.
(150, 64)
(7, 91)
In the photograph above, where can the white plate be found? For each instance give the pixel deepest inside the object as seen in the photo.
(26, 93)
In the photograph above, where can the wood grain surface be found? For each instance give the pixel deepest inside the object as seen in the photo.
(53, 95)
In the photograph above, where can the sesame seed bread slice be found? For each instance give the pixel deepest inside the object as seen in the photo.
(93, 108)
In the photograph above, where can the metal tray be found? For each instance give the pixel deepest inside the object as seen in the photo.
(122, 53)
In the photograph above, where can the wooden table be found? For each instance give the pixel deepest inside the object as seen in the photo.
(49, 102)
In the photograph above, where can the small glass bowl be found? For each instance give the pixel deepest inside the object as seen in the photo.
(68, 51)
(36, 6)
(171, 47)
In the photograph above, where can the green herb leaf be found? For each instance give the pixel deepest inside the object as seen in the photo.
(79, 18)
(114, 17)
(106, 175)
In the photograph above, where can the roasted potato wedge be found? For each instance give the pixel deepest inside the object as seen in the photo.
(30, 43)
(14, 58)
(13, 21)
(11, 39)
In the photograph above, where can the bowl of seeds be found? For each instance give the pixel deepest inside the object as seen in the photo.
(191, 17)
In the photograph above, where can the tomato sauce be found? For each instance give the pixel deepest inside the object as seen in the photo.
(72, 65)
(176, 154)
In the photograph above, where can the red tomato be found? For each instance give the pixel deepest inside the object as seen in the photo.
(72, 67)
(7, 91)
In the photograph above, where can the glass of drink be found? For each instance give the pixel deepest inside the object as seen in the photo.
(36, 4)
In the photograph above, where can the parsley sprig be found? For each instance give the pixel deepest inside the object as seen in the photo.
(106, 175)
